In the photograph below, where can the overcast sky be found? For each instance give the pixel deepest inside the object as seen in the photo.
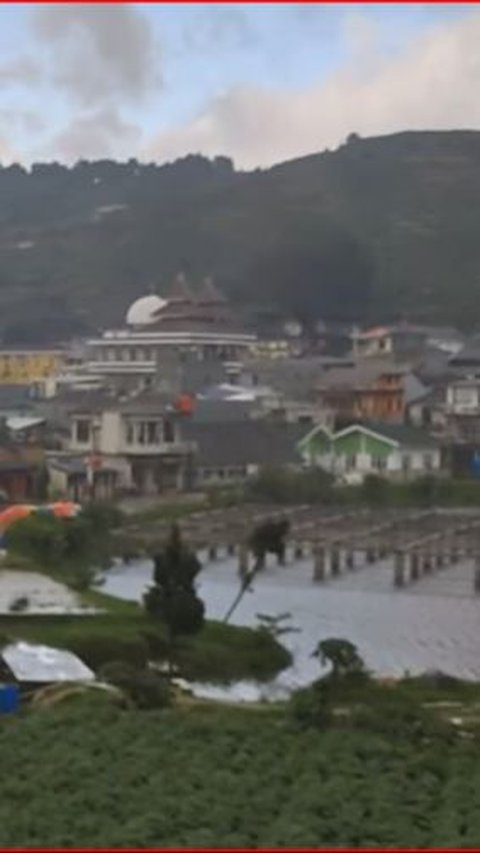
(260, 83)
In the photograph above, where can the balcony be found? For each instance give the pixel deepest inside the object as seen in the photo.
(162, 448)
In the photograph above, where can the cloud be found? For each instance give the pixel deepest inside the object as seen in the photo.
(98, 54)
(433, 83)
(99, 135)
(21, 70)
(225, 25)
(24, 120)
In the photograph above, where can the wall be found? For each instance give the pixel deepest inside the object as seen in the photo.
(18, 368)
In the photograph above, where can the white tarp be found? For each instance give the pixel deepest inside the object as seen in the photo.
(43, 664)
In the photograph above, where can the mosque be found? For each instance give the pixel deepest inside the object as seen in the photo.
(200, 328)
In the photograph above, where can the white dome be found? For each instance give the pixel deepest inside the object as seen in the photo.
(142, 311)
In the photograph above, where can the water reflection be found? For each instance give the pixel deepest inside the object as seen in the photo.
(434, 624)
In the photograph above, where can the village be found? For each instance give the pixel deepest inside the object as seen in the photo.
(184, 398)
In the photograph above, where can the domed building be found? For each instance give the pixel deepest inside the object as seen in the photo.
(189, 332)
(143, 311)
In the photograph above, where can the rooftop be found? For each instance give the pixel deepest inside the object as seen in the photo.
(246, 442)
(404, 434)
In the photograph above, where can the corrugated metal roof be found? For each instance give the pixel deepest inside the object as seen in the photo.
(19, 423)
(43, 664)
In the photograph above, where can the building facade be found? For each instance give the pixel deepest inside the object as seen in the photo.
(351, 454)
(25, 366)
(364, 392)
(137, 440)
(200, 327)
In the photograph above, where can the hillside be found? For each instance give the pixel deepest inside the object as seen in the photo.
(379, 227)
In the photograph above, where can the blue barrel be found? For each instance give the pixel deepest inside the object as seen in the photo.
(9, 698)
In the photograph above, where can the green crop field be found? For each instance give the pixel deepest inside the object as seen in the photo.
(94, 775)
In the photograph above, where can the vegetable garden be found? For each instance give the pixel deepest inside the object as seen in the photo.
(94, 775)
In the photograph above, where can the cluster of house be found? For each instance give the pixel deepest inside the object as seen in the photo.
(183, 397)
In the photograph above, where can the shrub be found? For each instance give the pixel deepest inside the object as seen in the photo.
(156, 640)
(375, 490)
(146, 689)
(309, 707)
(99, 648)
(224, 654)
(284, 486)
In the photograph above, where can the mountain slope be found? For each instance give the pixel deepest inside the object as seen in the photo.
(378, 228)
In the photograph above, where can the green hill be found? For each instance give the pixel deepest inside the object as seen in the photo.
(378, 228)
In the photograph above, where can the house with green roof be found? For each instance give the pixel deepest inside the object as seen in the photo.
(396, 451)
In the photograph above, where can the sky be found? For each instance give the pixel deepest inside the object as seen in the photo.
(259, 83)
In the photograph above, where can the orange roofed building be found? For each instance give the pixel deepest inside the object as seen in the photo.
(366, 392)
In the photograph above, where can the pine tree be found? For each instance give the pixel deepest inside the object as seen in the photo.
(172, 599)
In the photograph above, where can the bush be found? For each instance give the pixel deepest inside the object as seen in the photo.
(156, 640)
(375, 490)
(145, 688)
(285, 486)
(309, 707)
(225, 653)
(396, 716)
(99, 648)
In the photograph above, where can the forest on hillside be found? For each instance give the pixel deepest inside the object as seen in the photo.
(381, 228)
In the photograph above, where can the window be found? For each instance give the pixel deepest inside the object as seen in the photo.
(168, 432)
(350, 462)
(406, 462)
(466, 396)
(142, 433)
(130, 434)
(83, 431)
(152, 432)
(379, 463)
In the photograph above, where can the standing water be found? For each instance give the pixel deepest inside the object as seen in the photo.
(432, 625)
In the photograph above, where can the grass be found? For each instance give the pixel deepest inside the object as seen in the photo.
(122, 631)
(92, 776)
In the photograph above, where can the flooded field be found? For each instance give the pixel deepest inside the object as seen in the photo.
(433, 624)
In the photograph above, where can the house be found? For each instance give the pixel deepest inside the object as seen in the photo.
(468, 358)
(394, 451)
(136, 437)
(232, 451)
(461, 410)
(372, 390)
(405, 340)
(21, 472)
(73, 478)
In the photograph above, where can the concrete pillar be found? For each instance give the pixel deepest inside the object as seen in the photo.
(453, 556)
(231, 549)
(439, 559)
(298, 551)
(334, 562)
(414, 566)
(476, 576)
(370, 555)
(427, 564)
(212, 552)
(350, 560)
(399, 569)
(319, 564)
